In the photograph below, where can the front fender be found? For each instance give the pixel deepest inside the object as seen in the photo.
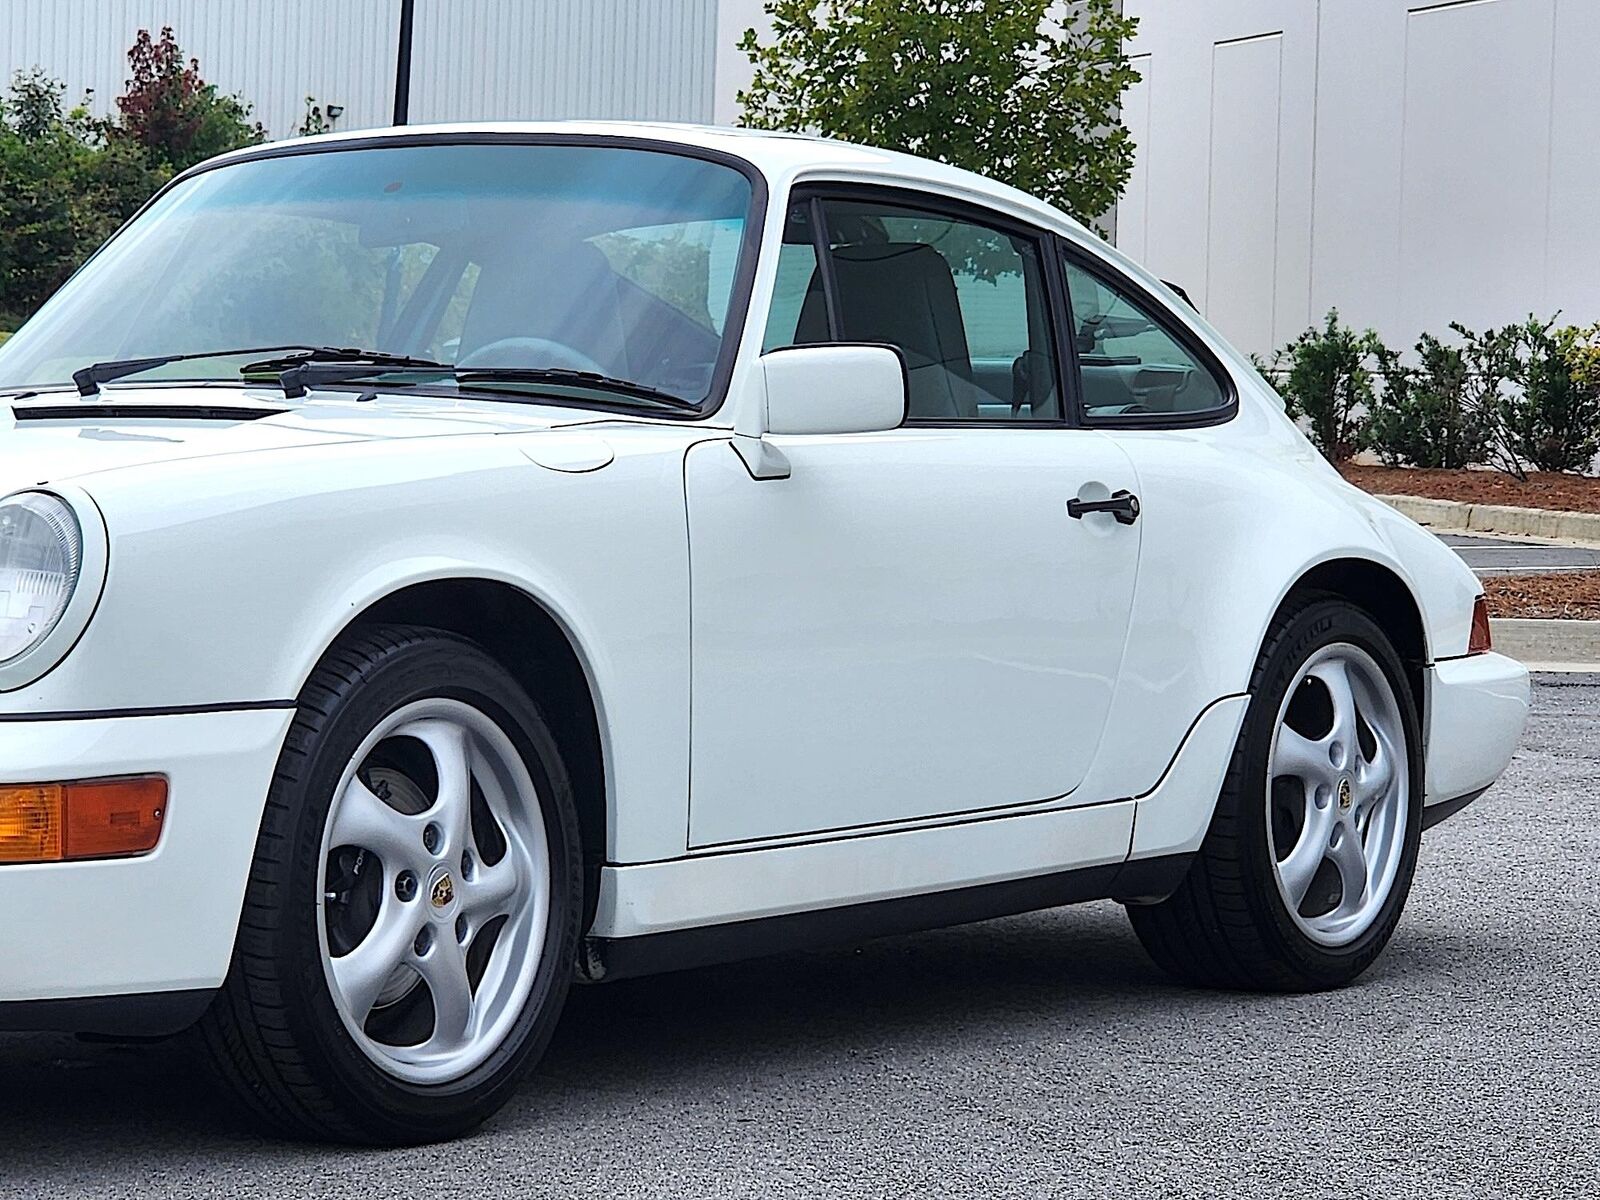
(229, 579)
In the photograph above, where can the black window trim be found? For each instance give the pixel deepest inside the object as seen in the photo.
(815, 193)
(1158, 311)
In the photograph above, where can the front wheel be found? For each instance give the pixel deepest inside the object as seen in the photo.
(411, 918)
(1309, 857)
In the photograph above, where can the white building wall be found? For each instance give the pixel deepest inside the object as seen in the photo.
(274, 52)
(1409, 163)
(670, 60)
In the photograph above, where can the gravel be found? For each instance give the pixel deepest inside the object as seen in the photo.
(1039, 1055)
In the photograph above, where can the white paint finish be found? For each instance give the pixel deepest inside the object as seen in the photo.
(1436, 162)
(906, 629)
(1475, 160)
(909, 625)
(164, 921)
(571, 455)
(314, 538)
(1166, 819)
(1477, 708)
(1242, 230)
(715, 889)
(834, 389)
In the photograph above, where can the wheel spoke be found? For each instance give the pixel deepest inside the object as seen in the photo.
(362, 818)
(444, 970)
(492, 892)
(361, 974)
(452, 758)
(1297, 755)
(1377, 776)
(1300, 868)
(1335, 676)
(1347, 856)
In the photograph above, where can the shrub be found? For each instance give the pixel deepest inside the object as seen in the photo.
(1329, 382)
(1552, 419)
(67, 180)
(62, 192)
(1430, 415)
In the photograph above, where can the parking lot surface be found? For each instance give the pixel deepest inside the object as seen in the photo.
(1512, 556)
(1034, 1056)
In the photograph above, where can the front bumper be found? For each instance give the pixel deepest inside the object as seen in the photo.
(162, 923)
(1477, 708)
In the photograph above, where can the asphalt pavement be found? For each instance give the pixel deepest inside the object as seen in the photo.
(1035, 1056)
(1514, 556)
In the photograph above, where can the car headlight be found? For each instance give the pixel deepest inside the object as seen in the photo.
(41, 560)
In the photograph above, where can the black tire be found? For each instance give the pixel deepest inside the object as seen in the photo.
(273, 1031)
(1227, 925)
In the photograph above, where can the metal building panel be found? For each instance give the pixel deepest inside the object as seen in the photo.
(549, 59)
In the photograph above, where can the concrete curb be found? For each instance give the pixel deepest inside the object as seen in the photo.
(1498, 518)
(1548, 644)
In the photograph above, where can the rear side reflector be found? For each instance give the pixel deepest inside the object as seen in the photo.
(1479, 641)
(101, 818)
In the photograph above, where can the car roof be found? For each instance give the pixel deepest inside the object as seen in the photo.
(780, 156)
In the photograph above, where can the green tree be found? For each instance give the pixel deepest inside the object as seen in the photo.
(63, 191)
(172, 113)
(996, 86)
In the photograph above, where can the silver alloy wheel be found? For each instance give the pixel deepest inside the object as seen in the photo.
(1338, 791)
(431, 987)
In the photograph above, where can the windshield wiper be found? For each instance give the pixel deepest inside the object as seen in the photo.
(89, 379)
(328, 364)
(309, 372)
(562, 375)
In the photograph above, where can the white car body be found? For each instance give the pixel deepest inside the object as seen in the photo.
(801, 702)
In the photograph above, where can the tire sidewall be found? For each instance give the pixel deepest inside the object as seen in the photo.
(1319, 624)
(429, 667)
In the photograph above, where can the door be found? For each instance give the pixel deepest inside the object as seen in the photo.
(913, 625)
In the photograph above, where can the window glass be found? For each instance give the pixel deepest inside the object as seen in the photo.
(589, 258)
(1129, 364)
(964, 303)
(790, 321)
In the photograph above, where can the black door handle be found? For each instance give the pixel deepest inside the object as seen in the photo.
(1123, 505)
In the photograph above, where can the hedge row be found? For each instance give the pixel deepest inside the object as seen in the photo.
(1523, 396)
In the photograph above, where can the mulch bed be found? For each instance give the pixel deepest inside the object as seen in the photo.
(1544, 489)
(1573, 596)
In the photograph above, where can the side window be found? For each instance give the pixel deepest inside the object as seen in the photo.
(1130, 365)
(798, 315)
(965, 304)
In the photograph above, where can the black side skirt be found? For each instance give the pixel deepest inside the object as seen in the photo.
(146, 1014)
(1445, 809)
(1142, 881)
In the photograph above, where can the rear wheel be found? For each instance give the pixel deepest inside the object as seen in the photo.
(411, 919)
(1309, 858)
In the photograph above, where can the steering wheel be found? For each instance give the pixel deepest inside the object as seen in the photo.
(532, 352)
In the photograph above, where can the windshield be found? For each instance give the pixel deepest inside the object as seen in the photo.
(617, 262)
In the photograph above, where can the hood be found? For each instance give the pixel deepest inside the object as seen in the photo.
(50, 437)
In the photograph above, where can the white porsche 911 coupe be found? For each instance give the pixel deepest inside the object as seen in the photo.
(441, 563)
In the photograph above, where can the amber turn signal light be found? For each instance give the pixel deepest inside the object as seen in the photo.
(100, 818)
(1480, 639)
